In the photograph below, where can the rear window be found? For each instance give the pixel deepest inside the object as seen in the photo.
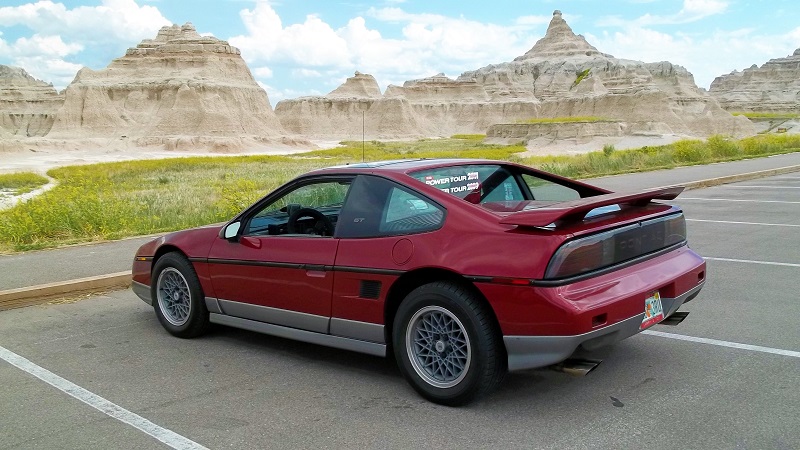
(474, 183)
(493, 183)
(546, 191)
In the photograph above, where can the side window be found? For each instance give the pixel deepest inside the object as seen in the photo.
(380, 207)
(408, 213)
(547, 191)
(310, 209)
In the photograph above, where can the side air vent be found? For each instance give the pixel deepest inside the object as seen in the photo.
(370, 289)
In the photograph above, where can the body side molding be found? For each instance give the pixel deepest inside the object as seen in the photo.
(284, 317)
(370, 348)
(212, 305)
(363, 331)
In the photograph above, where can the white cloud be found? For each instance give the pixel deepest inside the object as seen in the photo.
(276, 95)
(692, 11)
(44, 46)
(706, 57)
(703, 8)
(794, 35)
(49, 69)
(306, 73)
(533, 20)
(262, 72)
(312, 43)
(112, 19)
(428, 43)
(60, 34)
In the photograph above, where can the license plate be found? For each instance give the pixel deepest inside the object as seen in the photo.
(653, 311)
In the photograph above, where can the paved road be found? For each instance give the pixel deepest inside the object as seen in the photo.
(49, 266)
(68, 263)
(238, 389)
(681, 175)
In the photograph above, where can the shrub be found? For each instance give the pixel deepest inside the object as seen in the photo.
(580, 76)
(21, 182)
(689, 151)
(766, 115)
(721, 146)
(471, 137)
(568, 119)
(237, 195)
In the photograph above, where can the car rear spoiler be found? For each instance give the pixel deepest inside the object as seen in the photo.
(577, 209)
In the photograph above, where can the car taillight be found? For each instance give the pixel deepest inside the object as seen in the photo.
(581, 255)
(605, 249)
(675, 229)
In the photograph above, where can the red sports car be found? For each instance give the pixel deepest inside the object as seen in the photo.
(463, 269)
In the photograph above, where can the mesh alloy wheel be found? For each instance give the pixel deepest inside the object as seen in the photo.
(174, 296)
(438, 347)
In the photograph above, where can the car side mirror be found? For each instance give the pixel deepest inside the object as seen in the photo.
(232, 230)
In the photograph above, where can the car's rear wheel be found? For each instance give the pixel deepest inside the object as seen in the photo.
(447, 344)
(179, 301)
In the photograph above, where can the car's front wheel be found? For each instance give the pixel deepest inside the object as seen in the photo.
(447, 344)
(179, 302)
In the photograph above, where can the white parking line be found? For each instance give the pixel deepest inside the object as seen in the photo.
(763, 187)
(732, 200)
(755, 348)
(164, 435)
(745, 223)
(748, 261)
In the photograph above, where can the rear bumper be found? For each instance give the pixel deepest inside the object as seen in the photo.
(529, 352)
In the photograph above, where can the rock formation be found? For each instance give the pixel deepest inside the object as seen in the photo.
(774, 87)
(358, 86)
(27, 105)
(561, 76)
(180, 89)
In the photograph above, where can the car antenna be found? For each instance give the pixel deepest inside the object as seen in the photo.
(363, 130)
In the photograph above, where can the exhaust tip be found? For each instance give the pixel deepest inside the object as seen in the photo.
(675, 318)
(576, 367)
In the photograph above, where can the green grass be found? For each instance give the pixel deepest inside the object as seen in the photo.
(570, 119)
(21, 182)
(580, 76)
(765, 115)
(476, 137)
(351, 151)
(115, 200)
(681, 153)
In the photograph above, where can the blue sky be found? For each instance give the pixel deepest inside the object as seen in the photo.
(297, 48)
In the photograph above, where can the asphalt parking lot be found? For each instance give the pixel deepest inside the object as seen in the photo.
(236, 389)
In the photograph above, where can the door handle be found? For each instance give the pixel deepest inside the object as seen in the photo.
(315, 270)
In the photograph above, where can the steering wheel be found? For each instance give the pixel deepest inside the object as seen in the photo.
(322, 224)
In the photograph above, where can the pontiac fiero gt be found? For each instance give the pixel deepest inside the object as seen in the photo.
(460, 269)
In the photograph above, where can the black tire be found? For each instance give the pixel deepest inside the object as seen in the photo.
(457, 367)
(178, 297)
